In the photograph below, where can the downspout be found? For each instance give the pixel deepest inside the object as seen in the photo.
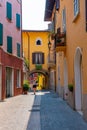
(28, 46)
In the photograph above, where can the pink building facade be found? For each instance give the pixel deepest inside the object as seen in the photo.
(11, 62)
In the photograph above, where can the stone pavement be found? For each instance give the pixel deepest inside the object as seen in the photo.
(43, 111)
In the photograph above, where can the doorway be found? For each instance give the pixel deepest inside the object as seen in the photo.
(78, 79)
(9, 84)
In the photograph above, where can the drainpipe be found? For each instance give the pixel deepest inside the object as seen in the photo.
(28, 45)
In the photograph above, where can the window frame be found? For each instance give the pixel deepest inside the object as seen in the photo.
(38, 58)
(38, 39)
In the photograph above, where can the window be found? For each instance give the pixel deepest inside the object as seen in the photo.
(38, 58)
(1, 34)
(9, 44)
(38, 42)
(18, 49)
(18, 21)
(76, 7)
(18, 78)
(9, 10)
(64, 20)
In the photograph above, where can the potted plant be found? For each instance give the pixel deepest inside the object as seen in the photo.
(70, 87)
(25, 86)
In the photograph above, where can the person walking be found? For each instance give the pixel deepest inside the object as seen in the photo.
(35, 86)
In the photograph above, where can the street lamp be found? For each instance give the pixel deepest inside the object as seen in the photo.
(49, 45)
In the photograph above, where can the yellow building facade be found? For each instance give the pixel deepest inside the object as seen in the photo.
(35, 49)
(71, 51)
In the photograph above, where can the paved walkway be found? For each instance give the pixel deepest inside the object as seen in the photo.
(43, 111)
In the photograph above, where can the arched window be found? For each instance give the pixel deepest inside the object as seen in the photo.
(38, 42)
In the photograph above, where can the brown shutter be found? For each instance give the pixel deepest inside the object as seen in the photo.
(42, 58)
(33, 58)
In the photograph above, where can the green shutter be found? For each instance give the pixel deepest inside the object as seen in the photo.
(1, 34)
(9, 11)
(18, 21)
(18, 49)
(9, 44)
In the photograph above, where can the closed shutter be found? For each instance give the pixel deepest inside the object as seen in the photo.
(18, 49)
(42, 58)
(33, 58)
(9, 11)
(1, 34)
(9, 44)
(18, 21)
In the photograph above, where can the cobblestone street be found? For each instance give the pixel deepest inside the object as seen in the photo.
(43, 111)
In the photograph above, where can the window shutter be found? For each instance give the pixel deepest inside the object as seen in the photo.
(18, 21)
(33, 58)
(18, 49)
(76, 7)
(42, 58)
(1, 34)
(9, 44)
(86, 13)
(64, 20)
(9, 11)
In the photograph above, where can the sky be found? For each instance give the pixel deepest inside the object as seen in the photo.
(33, 15)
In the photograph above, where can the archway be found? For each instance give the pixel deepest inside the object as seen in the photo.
(41, 76)
(78, 79)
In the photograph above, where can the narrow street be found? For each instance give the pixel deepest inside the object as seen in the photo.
(43, 111)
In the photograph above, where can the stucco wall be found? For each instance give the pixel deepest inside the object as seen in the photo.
(29, 46)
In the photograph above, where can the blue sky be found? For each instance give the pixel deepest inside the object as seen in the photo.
(33, 15)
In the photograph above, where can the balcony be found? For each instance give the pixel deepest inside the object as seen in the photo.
(60, 41)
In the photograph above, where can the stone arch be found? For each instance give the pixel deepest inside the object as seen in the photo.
(43, 72)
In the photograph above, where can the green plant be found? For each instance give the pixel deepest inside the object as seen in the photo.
(70, 87)
(26, 85)
(38, 66)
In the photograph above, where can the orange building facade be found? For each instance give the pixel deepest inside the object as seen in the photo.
(70, 28)
(35, 50)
